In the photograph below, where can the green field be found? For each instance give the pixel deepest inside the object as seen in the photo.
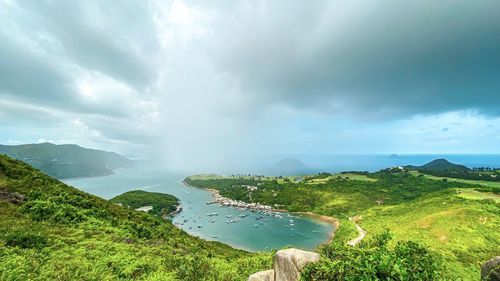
(474, 182)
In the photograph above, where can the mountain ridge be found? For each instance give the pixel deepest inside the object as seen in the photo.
(67, 160)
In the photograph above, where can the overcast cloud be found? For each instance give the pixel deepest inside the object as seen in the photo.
(205, 83)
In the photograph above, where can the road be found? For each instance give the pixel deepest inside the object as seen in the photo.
(361, 235)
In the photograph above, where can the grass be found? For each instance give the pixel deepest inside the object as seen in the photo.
(347, 176)
(477, 195)
(464, 231)
(473, 182)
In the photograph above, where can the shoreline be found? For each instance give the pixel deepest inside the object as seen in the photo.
(330, 220)
(326, 219)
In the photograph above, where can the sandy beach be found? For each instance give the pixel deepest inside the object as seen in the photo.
(331, 220)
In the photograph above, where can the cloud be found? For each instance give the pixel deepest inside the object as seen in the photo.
(382, 58)
(211, 83)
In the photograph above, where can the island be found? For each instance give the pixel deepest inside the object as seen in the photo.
(159, 204)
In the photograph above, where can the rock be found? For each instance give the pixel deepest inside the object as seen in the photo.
(490, 271)
(288, 263)
(12, 197)
(267, 275)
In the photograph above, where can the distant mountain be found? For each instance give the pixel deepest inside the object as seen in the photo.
(290, 164)
(440, 165)
(67, 160)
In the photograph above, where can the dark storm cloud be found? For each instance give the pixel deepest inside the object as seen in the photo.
(251, 75)
(382, 58)
(48, 45)
(98, 36)
(24, 74)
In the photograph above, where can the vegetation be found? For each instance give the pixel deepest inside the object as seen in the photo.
(66, 161)
(439, 214)
(375, 260)
(60, 233)
(440, 229)
(443, 168)
(163, 204)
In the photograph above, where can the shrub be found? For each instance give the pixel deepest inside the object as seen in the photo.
(374, 260)
(25, 239)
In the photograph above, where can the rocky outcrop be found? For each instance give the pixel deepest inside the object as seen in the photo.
(490, 271)
(287, 265)
(12, 197)
(267, 275)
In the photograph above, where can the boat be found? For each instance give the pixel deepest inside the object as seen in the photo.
(255, 225)
(200, 226)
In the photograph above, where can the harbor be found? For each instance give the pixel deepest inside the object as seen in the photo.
(251, 227)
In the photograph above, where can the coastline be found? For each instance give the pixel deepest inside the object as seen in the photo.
(330, 220)
(326, 219)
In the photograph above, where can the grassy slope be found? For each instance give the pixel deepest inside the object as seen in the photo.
(60, 233)
(162, 204)
(477, 182)
(460, 228)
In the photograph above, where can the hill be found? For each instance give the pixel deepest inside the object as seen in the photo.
(441, 165)
(67, 160)
(289, 166)
(51, 231)
(163, 204)
(448, 171)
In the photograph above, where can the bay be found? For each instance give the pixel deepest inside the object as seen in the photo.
(252, 231)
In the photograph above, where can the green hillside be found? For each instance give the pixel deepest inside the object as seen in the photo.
(51, 231)
(67, 160)
(441, 165)
(444, 169)
(162, 204)
(463, 230)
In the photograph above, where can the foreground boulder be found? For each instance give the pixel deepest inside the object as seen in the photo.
(287, 265)
(267, 275)
(490, 271)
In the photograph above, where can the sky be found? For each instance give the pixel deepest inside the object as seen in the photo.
(210, 82)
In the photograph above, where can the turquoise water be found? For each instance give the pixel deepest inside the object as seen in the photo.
(251, 233)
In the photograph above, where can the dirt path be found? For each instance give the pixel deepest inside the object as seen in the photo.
(360, 237)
